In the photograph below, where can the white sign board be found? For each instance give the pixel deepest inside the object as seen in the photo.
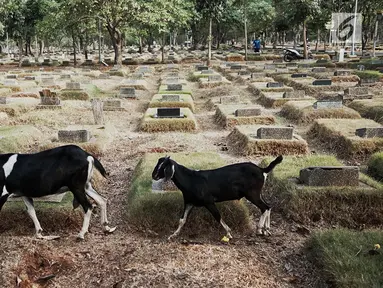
(343, 27)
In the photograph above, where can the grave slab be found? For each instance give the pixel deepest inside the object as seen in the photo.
(248, 112)
(215, 78)
(274, 84)
(342, 72)
(3, 100)
(322, 82)
(76, 136)
(171, 98)
(230, 99)
(169, 113)
(369, 132)
(330, 176)
(275, 133)
(174, 87)
(294, 94)
(325, 104)
(299, 75)
(127, 92)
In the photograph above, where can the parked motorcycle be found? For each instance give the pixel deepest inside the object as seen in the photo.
(292, 54)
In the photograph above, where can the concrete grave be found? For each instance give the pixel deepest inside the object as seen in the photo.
(170, 98)
(230, 99)
(112, 105)
(73, 86)
(322, 82)
(137, 75)
(330, 176)
(282, 70)
(342, 72)
(11, 76)
(3, 100)
(169, 113)
(215, 78)
(299, 75)
(174, 87)
(353, 93)
(127, 92)
(48, 81)
(369, 132)
(294, 94)
(248, 112)
(275, 133)
(274, 84)
(29, 78)
(10, 82)
(207, 72)
(76, 136)
(236, 67)
(172, 80)
(244, 72)
(319, 69)
(327, 104)
(202, 68)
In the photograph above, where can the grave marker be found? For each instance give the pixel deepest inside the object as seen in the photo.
(322, 82)
(327, 104)
(274, 84)
(171, 98)
(342, 73)
(369, 132)
(174, 87)
(76, 136)
(73, 86)
(11, 76)
(169, 113)
(202, 67)
(230, 99)
(294, 94)
(112, 105)
(236, 67)
(275, 133)
(248, 112)
(299, 75)
(29, 78)
(3, 100)
(319, 69)
(330, 176)
(243, 72)
(127, 92)
(215, 78)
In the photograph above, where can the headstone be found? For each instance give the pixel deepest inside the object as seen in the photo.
(342, 73)
(299, 75)
(269, 67)
(330, 176)
(294, 94)
(326, 104)
(319, 69)
(356, 91)
(76, 136)
(30, 78)
(50, 100)
(97, 108)
(73, 86)
(128, 92)
(274, 85)
(367, 81)
(215, 78)
(171, 98)
(322, 82)
(341, 55)
(207, 72)
(138, 75)
(11, 76)
(112, 105)
(169, 113)
(243, 72)
(3, 100)
(275, 133)
(369, 132)
(172, 80)
(174, 87)
(48, 81)
(202, 67)
(236, 67)
(282, 70)
(65, 76)
(248, 112)
(230, 99)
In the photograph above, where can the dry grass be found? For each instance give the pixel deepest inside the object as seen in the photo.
(345, 206)
(204, 83)
(321, 56)
(369, 108)
(257, 87)
(14, 110)
(339, 137)
(186, 101)
(224, 116)
(306, 84)
(18, 138)
(351, 78)
(275, 99)
(303, 112)
(235, 58)
(160, 212)
(138, 85)
(73, 95)
(242, 142)
(151, 124)
(5, 91)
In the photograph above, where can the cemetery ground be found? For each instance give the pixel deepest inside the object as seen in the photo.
(308, 239)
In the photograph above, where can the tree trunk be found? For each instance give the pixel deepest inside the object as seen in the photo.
(317, 44)
(304, 40)
(20, 51)
(245, 38)
(140, 51)
(209, 43)
(163, 49)
(40, 47)
(97, 108)
(74, 49)
(115, 36)
(86, 46)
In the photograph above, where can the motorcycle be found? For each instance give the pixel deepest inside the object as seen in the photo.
(292, 54)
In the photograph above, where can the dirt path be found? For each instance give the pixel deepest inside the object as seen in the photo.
(133, 258)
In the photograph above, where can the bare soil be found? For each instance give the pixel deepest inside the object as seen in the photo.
(133, 258)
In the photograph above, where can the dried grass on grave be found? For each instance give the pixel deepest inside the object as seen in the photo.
(12, 88)
(5, 91)
(261, 79)
(350, 78)
(186, 101)
(160, 212)
(14, 110)
(303, 112)
(235, 58)
(151, 124)
(204, 84)
(306, 85)
(225, 90)
(241, 143)
(18, 138)
(321, 56)
(275, 100)
(332, 205)
(224, 115)
(256, 90)
(369, 108)
(26, 94)
(339, 137)
(73, 95)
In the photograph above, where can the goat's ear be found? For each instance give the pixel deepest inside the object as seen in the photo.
(168, 171)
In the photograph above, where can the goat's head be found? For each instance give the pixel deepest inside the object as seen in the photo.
(163, 169)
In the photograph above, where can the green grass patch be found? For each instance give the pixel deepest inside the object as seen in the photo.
(73, 95)
(160, 212)
(375, 166)
(345, 206)
(343, 257)
(18, 138)
(369, 108)
(374, 75)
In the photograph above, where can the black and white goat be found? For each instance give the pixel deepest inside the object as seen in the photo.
(50, 172)
(204, 188)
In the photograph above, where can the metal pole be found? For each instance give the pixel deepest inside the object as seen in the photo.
(354, 31)
(99, 41)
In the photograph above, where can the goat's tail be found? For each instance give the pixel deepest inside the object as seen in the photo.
(99, 167)
(272, 165)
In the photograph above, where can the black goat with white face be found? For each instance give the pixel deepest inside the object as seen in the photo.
(206, 187)
(50, 172)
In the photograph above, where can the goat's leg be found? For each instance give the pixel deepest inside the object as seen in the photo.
(32, 213)
(263, 224)
(81, 198)
(187, 209)
(101, 201)
(217, 216)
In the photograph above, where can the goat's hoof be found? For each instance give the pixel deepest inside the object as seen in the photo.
(266, 232)
(80, 237)
(259, 231)
(109, 230)
(48, 238)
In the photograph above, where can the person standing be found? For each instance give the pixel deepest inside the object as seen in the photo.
(257, 45)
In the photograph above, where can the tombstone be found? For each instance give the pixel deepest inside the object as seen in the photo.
(356, 91)
(65, 76)
(243, 72)
(367, 81)
(11, 76)
(269, 67)
(172, 80)
(285, 133)
(73, 86)
(330, 176)
(76, 136)
(169, 113)
(215, 78)
(174, 87)
(207, 72)
(138, 75)
(3, 100)
(282, 70)
(127, 92)
(48, 81)
(327, 104)
(230, 99)
(170, 98)
(294, 94)
(360, 67)
(341, 55)
(112, 105)
(29, 78)
(97, 108)
(319, 69)
(248, 112)
(173, 74)
(299, 75)
(236, 67)
(342, 73)
(322, 82)
(274, 85)
(369, 132)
